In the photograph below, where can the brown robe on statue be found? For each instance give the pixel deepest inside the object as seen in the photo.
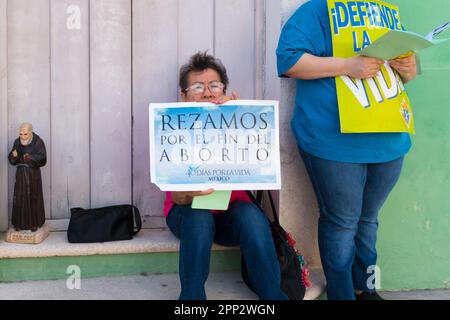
(28, 204)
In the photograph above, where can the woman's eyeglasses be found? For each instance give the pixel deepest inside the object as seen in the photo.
(213, 86)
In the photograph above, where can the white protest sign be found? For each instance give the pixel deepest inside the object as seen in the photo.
(197, 146)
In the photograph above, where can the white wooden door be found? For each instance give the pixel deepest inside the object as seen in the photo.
(84, 71)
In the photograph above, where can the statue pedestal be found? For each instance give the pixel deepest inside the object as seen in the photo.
(26, 236)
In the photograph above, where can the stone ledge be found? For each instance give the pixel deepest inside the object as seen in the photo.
(26, 236)
(147, 241)
(56, 245)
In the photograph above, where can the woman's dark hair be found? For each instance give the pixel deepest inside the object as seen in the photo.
(199, 62)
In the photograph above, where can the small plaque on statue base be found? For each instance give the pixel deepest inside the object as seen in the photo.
(27, 236)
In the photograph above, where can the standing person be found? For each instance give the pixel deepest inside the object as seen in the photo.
(28, 154)
(204, 79)
(352, 174)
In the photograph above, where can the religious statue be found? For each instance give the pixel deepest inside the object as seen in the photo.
(28, 154)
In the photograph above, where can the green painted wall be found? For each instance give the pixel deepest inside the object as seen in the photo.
(414, 238)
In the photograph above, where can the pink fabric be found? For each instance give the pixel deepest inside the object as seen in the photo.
(235, 196)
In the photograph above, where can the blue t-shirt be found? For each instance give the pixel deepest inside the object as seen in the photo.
(316, 117)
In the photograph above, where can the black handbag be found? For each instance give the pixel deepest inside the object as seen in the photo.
(294, 275)
(119, 222)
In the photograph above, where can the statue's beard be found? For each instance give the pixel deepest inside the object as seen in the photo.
(26, 142)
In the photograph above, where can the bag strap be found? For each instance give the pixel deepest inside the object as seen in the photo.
(258, 202)
(274, 209)
(259, 196)
(254, 200)
(137, 220)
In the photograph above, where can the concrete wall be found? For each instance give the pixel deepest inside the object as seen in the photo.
(298, 206)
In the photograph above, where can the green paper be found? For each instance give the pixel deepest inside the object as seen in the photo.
(397, 43)
(218, 200)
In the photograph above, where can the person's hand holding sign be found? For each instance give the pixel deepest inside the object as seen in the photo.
(223, 99)
(406, 67)
(185, 197)
(361, 67)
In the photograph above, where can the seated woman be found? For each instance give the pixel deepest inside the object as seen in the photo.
(204, 79)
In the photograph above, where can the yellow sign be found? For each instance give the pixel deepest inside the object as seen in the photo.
(378, 104)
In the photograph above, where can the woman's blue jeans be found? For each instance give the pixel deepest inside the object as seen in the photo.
(350, 196)
(242, 224)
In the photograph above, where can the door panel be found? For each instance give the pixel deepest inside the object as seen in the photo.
(69, 106)
(110, 56)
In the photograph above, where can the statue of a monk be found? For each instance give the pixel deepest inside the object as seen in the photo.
(28, 154)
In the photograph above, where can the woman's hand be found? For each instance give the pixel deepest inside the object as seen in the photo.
(225, 98)
(361, 67)
(185, 197)
(15, 154)
(310, 67)
(406, 67)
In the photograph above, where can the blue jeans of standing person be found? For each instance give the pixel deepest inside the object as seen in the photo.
(350, 196)
(242, 224)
